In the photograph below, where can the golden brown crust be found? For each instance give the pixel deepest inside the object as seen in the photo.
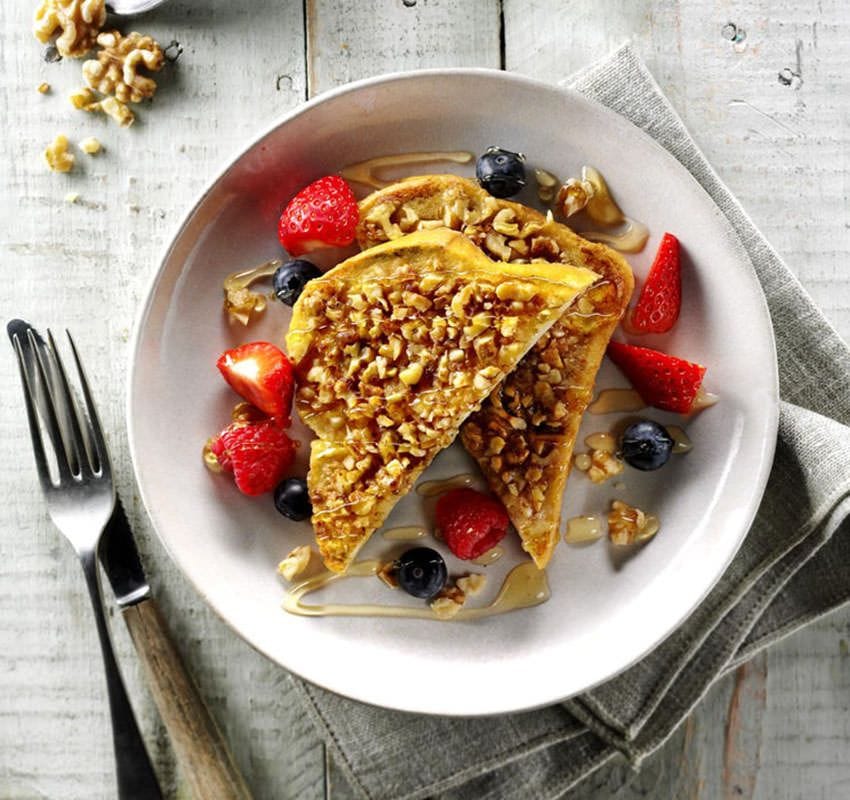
(393, 349)
(524, 433)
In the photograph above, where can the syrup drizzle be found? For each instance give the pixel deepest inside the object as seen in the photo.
(438, 487)
(524, 586)
(611, 401)
(405, 533)
(365, 172)
(583, 529)
(490, 557)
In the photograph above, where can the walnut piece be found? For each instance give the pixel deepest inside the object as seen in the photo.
(115, 72)
(603, 465)
(448, 602)
(79, 21)
(295, 563)
(472, 584)
(629, 525)
(90, 146)
(86, 100)
(57, 156)
(388, 574)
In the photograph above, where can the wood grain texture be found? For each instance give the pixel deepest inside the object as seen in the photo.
(783, 149)
(202, 754)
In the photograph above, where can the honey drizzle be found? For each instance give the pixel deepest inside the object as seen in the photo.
(681, 441)
(524, 586)
(490, 557)
(632, 239)
(434, 488)
(601, 441)
(611, 401)
(583, 529)
(364, 171)
(405, 533)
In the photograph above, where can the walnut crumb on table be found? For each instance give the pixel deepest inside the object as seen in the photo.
(57, 155)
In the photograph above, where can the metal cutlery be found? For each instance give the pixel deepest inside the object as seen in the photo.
(76, 478)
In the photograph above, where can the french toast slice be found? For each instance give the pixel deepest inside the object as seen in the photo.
(393, 349)
(523, 435)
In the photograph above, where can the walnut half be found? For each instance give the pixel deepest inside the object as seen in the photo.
(116, 70)
(79, 21)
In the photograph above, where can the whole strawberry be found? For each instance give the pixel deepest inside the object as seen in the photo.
(261, 374)
(658, 306)
(259, 454)
(323, 214)
(470, 522)
(662, 380)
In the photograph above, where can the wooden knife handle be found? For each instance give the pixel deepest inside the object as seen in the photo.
(202, 753)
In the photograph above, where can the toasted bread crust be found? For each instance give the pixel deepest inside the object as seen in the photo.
(523, 435)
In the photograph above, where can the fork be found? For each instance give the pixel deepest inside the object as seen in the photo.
(77, 484)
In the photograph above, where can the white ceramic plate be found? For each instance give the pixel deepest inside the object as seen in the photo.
(608, 608)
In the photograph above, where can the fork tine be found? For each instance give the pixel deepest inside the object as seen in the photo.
(71, 408)
(101, 452)
(50, 415)
(32, 418)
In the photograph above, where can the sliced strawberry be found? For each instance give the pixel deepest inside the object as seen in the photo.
(660, 298)
(259, 454)
(662, 381)
(324, 214)
(261, 374)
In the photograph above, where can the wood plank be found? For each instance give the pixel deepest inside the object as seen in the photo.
(352, 39)
(87, 266)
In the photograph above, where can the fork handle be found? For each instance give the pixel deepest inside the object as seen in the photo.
(134, 772)
(202, 753)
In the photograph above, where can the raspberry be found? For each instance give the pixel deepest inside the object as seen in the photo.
(258, 453)
(470, 522)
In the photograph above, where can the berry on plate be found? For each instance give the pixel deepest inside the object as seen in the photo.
(291, 278)
(292, 499)
(421, 572)
(258, 454)
(261, 374)
(660, 298)
(323, 214)
(662, 380)
(501, 172)
(471, 523)
(646, 445)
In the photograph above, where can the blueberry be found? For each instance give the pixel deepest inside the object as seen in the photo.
(646, 445)
(421, 572)
(292, 499)
(291, 278)
(501, 172)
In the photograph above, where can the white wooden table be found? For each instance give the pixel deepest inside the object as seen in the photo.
(776, 730)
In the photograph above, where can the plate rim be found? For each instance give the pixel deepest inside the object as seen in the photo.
(220, 172)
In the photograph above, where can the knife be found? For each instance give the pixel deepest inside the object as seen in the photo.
(202, 753)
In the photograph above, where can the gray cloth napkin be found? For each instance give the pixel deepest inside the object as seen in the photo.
(793, 566)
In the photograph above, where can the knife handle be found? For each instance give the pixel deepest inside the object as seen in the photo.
(202, 753)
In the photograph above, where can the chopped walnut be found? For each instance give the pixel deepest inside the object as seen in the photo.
(115, 72)
(90, 146)
(629, 525)
(241, 304)
(86, 100)
(603, 465)
(573, 196)
(388, 574)
(78, 20)
(57, 155)
(472, 584)
(295, 563)
(43, 88)
(448, 602)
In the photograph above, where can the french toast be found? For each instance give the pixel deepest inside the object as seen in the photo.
(393, 349)
(524, 433)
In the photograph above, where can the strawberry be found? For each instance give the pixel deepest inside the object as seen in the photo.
(261, 374)
(657, 307)
(324, 214)
(471, 523)
(259, 454)
(662, 381)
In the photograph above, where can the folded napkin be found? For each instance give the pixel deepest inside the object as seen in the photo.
(793, 566)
